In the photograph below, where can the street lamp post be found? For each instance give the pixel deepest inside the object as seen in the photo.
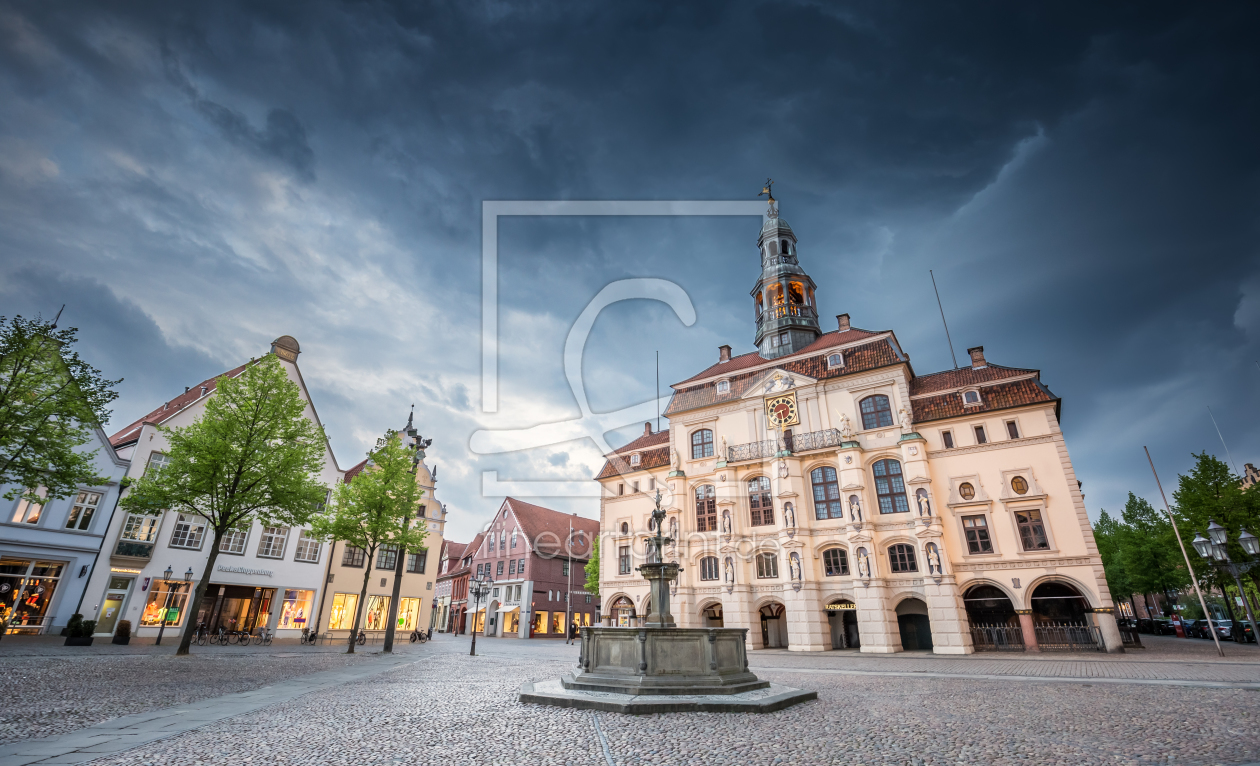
(166, 606)
(1215, 549)
(477, 588)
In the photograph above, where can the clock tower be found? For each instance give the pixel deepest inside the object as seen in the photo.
(783, 299)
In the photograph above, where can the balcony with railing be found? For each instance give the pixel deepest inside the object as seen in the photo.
(789, 310)
(795, 443)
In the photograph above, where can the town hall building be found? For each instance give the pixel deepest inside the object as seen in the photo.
(824, 495)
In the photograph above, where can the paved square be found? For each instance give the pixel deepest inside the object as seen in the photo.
(433, 704)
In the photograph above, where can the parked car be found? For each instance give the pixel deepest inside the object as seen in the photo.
(1202, 628)
(1239, 628)
(1163, 627)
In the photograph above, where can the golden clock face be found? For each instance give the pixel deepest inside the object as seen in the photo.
(781, 410)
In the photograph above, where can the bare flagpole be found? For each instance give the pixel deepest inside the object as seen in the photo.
(942, 308)
(568, 585)
(1189, 567)
(1223, 444)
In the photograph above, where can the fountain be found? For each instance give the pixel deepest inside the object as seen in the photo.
(660, 667)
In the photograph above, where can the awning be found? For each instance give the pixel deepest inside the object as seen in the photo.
(503, 609)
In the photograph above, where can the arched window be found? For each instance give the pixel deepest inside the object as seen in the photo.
(796, 293)
(709, 568)
(901, 558)
(826, 493)
(761, 305)
(702, 444)
(706, 508)
(759, 504)
(835, 360)
(835, 562)
(889, 487)
(774, 247)
(876, 412)
(625, 528)
(784, 247)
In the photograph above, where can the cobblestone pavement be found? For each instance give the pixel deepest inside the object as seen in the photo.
(51, 688)
(454, 709)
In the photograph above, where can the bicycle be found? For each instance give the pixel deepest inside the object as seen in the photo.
(203, 634)
(243, 637)
(309, 635)
(419, 635)
(263, 638)
(362, 638)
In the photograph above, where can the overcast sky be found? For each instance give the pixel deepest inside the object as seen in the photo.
(195, 182)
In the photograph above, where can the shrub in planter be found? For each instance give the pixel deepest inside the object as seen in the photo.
(122, 634)
(79, 631)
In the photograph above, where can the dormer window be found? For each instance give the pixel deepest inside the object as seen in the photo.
(834, 361)
(971, 398)
(724, 387)
(634, 459)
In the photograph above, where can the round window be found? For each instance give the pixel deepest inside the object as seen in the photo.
(625, 528)
(966, 490)
(1020, 485)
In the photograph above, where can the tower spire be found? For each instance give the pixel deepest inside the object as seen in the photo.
(787, 315)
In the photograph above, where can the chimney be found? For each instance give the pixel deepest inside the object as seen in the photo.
(843, 319)
(203, 390)
(977, 357)
(724, 354)
(186, 389)
(647, 428)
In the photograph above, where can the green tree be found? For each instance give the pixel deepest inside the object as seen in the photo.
(50, 400)
(373, 511)
(1148, 550)
(592, 569)
(1109, 533)
(1211, 492)
(252, 455)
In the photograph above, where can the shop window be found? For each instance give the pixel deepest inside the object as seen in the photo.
(709, 568)
(760, 505)
(28, 512)
(353, 556)
(889, 487)
(1012, 429)
(976, 529)
(966, 491)
(827, 503)
(26, 590)
(158, 607)
(767, 566)
(623, 560)
(876, 412)
(344, 607)
(947, 438)
(296, 609)
(233, 542)
(417, 561)
(1032, 532)
(901, 558)
(307, 548)
(271, 544)
(377, 614)
(188, 532)
(980, 437)
(706, 508)
(1020, 485)
(408, 613)
(702, 444)
(835, 562)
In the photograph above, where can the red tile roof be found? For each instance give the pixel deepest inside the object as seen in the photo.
(753, 359)
(131, 432)
(649, 459)
(868, 356)
(548, 529)
(964, 376)
(353, 472)
(996, 397)
(643, 442)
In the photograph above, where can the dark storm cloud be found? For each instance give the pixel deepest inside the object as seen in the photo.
(1082, 179)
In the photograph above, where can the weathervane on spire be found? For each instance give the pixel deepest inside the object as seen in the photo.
(768, 191)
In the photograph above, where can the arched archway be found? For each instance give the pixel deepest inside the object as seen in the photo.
(774, 633)
(842, 621)
(914, 625)
(492, 618)
(711, 615)
(1058, 602)
(622, 612)
(989, 605)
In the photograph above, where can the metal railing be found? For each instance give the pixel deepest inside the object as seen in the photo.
(997, 638)
(791, 310)
(134, 549)
(1069, 637)
(829, 437)
(752, 451)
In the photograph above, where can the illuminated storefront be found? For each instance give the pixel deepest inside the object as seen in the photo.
(231, 607)
(296, 610)
(377, 613)
(157, 602)
(344, 606)
(408, 613)
(26, 589)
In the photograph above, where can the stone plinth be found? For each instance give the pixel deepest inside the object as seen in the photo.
(663, 661)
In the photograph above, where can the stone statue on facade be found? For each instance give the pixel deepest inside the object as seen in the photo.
(726, 522)
(846, 428)
(780, 382)
(907, 426)
(863, 564)
(728, 571)
(722, 454)
(933, 560)
(925, 506)
(789, 516)
(855, 509)
(794, 566)
(673, 530)
(675, 462)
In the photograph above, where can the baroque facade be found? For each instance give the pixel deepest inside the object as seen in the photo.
(823, 495)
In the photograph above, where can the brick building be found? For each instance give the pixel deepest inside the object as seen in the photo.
(536, 558)
(452, 585)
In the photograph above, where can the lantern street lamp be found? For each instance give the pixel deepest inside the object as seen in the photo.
(1216, 550)
(478, 587)
(166, 580)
